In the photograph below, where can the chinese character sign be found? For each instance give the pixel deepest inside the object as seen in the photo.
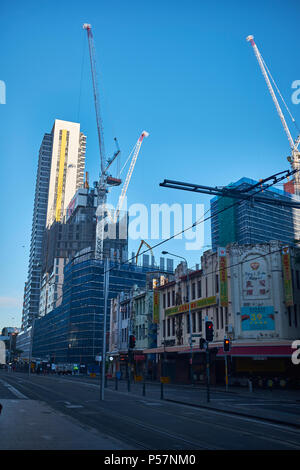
(287, 276)
(156, 306)
(255, 279)
(223, 277)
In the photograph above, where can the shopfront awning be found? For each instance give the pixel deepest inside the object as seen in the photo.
(237, 349)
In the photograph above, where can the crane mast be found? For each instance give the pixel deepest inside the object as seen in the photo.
(92, 53)
(295, 157)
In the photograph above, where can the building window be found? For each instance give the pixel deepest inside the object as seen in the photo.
(217, 283)
(173, 326)
(187, 324)
(199, 289)
(217, 317)
(173, 297)
(193, 290)
(297, 280)
(290, 317)
(194, 322)
(169, 299)
(168, 327)
(199, 321)
(164, 301)
(206, 287)
(164, 328)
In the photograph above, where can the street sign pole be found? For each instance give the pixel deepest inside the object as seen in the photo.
(207, 373)
(226, 373)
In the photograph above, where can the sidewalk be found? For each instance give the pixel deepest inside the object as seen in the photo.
(277, 406)
(31, 425)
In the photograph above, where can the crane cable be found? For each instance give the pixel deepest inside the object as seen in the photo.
(278, 91)
(128, 158)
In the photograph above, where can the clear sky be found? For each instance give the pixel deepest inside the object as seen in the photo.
(182, 70)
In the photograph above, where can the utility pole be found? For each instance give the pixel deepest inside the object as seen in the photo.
(207, 373)
(106, 287)
(226, 373)
(209, 335)
(30, 349)
(226, 347)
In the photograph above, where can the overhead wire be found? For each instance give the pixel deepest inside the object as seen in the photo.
(197, 222)
(278, 91)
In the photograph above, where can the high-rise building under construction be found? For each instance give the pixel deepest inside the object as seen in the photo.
(60, 173)
(251, 221)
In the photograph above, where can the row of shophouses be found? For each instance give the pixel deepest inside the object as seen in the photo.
(251, 293)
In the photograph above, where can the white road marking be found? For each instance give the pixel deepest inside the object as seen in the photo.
(14, 390)
(74, 406)
(262, 404)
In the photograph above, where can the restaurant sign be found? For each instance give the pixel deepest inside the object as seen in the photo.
(197, 304)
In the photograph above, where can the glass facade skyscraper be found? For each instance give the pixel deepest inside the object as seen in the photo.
(249, 221)
(32, 286)
(59, 175)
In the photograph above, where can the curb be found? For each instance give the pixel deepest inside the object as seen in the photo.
(238, 413)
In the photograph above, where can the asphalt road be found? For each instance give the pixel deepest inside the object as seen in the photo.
(147, 422)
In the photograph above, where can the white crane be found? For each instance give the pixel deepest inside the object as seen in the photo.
(105, 179)
(294, 159)
(112, 216)
(136, 152)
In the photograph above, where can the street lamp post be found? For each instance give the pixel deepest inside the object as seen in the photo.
(106, 289)
(36, 265)
(31, 341)
(190, 315)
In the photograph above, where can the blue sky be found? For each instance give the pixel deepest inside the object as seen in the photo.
(181, 70)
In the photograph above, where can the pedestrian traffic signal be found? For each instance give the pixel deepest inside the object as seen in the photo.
(131, 341)
(202, 343)
(209, 331)
(226, 345)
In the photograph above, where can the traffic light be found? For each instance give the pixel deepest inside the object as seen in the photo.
(209, 331)
(226, 346)
(202, 343)
(131, 341)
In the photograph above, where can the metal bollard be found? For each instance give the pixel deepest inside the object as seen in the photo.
(144, 389)
(116, 383)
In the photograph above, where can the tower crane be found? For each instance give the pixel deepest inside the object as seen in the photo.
(105, 179)
(136, 152)
(113, 216)
(294, 159)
